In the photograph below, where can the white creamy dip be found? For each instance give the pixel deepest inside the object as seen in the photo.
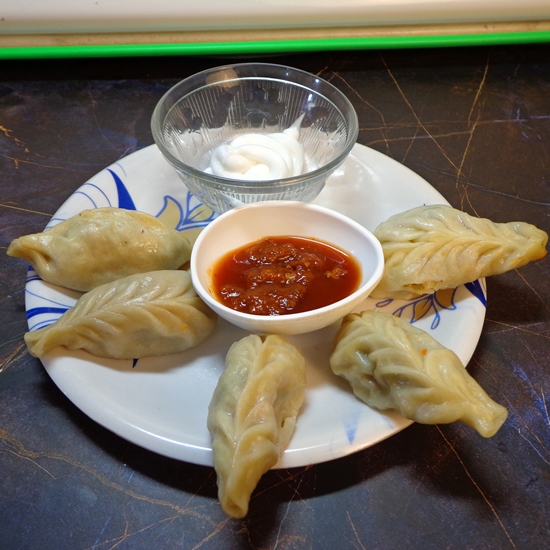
(260, 156)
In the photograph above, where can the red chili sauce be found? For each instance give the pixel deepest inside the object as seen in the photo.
(281, 275)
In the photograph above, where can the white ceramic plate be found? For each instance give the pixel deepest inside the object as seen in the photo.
(161, 403)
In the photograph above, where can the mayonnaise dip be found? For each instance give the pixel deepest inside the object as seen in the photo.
(261, 157)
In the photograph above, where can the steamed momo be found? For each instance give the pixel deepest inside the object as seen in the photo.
(430, 248)
(252, 414)
(390, 364)
(156, 313)
(101, 245)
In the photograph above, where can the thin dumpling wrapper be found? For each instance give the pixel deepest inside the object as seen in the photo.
(391, 364)
(430, 248)
(252, 414)
(102, 245)
(156, 313)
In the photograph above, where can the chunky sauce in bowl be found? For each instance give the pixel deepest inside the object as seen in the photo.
(284, 274)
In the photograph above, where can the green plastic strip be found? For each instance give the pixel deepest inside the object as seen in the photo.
(274, 46)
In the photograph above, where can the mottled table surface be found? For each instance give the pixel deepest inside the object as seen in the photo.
(475, 123)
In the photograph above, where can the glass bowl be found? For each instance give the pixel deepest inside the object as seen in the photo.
(246, 224)
(206, 111)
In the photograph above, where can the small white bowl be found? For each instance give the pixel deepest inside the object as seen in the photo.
(249, 223)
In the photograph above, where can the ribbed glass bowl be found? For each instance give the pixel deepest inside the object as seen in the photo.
(212, 107)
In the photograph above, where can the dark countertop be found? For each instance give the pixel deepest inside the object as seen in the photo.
(475, 123)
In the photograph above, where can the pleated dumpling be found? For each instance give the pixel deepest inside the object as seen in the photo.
(252, 414)
(430, 248)
(156, 313)
(390, 364)
(101, 245)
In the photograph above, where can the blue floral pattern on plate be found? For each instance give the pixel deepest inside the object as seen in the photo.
(431, 304)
